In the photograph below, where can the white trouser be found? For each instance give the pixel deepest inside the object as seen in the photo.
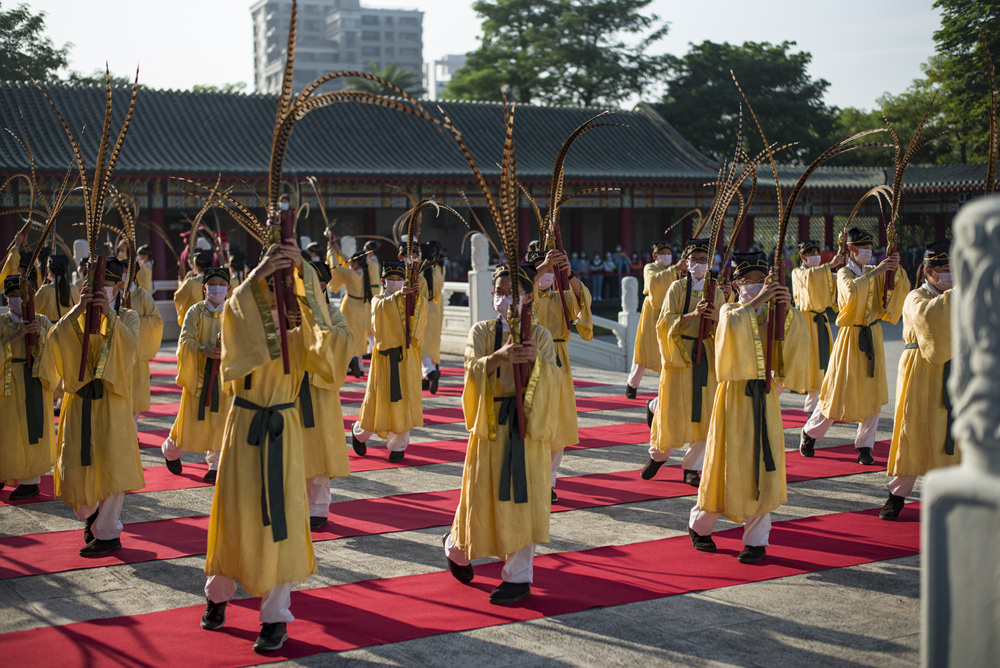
(756, 530)
(812, 399)
(172, 452)
(635, 375)
(426, 365)
(518, 567)
(654, 403)
(901, 485)
(371, 343)
(817, 425)
(108, 524)
(29, 481)
(395, 442)
(557, 456)
(694, 458)
(318, 491)
(275, 606)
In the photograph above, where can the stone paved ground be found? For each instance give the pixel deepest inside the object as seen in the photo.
(865, 615)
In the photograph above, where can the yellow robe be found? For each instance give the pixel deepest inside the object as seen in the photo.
(730, 483)
(850, 393)
(10, 265)
(484, 525)
(240, 546)
(325, 443)
(374, 269)
(115, 464)
(20, 459)
(150, 337)
(356, 310)
(656, 282)
(188, 294)
(672, 423)
(378, 413)
(200, 330)
(918, 435)
(435, 315)
(814, 290)
(551, 317)
(47, 301)
(144, 277)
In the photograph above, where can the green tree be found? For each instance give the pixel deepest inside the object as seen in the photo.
(394, 73)
(23, 48)
(703, 103)
(97, 77)
(238, 87)
(578, 52)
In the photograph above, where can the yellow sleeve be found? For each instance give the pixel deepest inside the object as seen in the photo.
(190, 361)
(338, 278)
(541, 395)
(145, 278)
(387, 321)
(930, 320)
(123, 332)
(419, 323)
(45, 366)
(341, 344)
(319, 335)
(581, 313)
(249, 334)
(812, 287)
(10, 266)
(150, 324)
(791, 359)
(660, 282)
(738, 349)
(854, 296)
(897, 297)
(648, 272)
(668, 327)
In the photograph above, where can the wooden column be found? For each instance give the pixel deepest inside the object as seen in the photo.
(666, 218)
(828, 236)
(804, 226)
(368, 223)
(940, 225)
(625, 228)
(524, 219)
(576, 230)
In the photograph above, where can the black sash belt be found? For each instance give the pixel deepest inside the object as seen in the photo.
(214, 399)
(33, 405)
(699, 381)
(306, 403)
(92, 390)
(558, 361)
(823, 340)
(395, 356)
(267, 427)
(949, 441)
(866, 344)
(761, 443)
(512, 473)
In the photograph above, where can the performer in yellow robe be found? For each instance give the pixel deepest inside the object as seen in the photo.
(392, 405)
(548, 307)
(189, 292)
(258, 532)
(150, 337)
(814, 289)
(657, 277)
(744, 476)
(144, 277)
(201, 421)
(98, 445)
(355, 304)
(325, 442)
(680, 413)
(28, 439)
(56, 298)
(855, 386)
(374, 269)
(504, 509)
(921, 434)
(432, 286)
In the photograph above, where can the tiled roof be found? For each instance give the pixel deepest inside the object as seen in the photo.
(918, 177)
(201, 133)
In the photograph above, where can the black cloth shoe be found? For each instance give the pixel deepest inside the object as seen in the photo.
(174, 466)
(555, 497)
(865, 457)
(649, 413)
(630, 392)
(751, 554)
(355, 368)
(701, 543)
(509, 592)
(210, 476)
(692, 478)
(396, 456)
(893, 505)
(432, 381)
(360, 448)
(424, 385)
(24, 492)
(88, 535)
(650, 469)
(463, 574)
(98, 547)
(316, 523)
(807, 445)
(366, 356)
(215, 616)
(271, 638)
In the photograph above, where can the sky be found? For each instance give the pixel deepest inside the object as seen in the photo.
(864, 48)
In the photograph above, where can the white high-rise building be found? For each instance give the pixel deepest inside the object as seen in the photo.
(332, 35)
(438, 73)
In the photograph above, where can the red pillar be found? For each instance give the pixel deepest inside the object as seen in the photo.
(828, 230)
(524, 220)
(576, 230)
(368, 222)
(804, 226)
(940, 226)
(625, 228)
(745, 237)
(8, 228)
(157, 244)
(687, 227)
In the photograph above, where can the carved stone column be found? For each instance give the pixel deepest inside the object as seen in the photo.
(629, 317)
(960, 528)
(480, 282)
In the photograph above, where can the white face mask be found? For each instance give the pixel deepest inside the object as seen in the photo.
(545, 280)
(944, 280)
(862, 256)
(283, 206)
(501, 304)
(392, 287)
(811, 260)
(14, 303)
(698, 271)
(110, 292)
(359, 271)
(749, 291)
(216, 293)
(664, 260)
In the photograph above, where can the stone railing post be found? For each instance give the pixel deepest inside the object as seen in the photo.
(348, 246)
(480, 282)
(629, 316)
(960, 527)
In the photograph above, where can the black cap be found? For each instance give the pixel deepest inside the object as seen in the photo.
(697, 246)
(661, 246)
(215, 272)
(534, 256)
(11, 284)
(114, 270)
(322, 270)
(808, 246)
(370, 245)
(858, 237)
(744, 263)
(526, 274)
(204, 259)
(936, 254)
(393, 268)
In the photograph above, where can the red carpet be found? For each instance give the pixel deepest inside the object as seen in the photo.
(56, 551)
(367, 613)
